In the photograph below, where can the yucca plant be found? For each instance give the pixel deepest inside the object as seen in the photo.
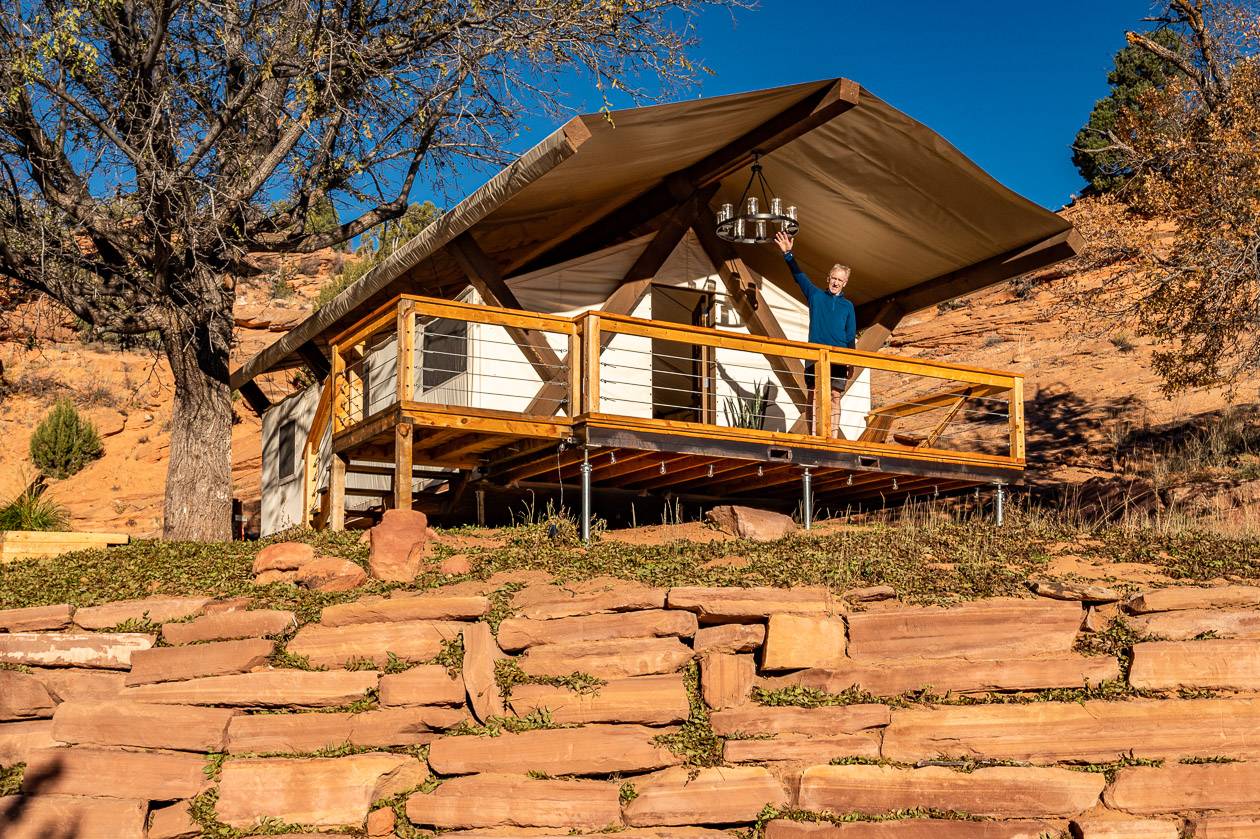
(64, 442)
(30, 510)
(747, 411)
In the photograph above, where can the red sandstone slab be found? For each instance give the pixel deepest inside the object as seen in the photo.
(757, 719)
(23, 697)
(173, 664)
(648, 700)
(602, 595)
(986, 629)
(1047, 732)
(1190, 623)
(174, 822)
(912, 829)
(684, 796)
(801, 748)
(1113, 827)
(519, 633)
(304, 733)
(726, 680)
(1226, 788)
(796, 641)
(229, 626)
(334, 646)
(320, 792)
(425, 684)
(48, 816)
(1000, 792)
(481, 657)
(492, 800)
(139, 725)
(155, 609)
(36, 618)
(1227, 664)
(717, 605)
(18, 740)
(942, 676)
(1194, 597)
(1224, 827)
(589, 750)
(264, 689)
(434, 606)
(155, 776)
(729, 638)
(103, 650)
(72, 683)
(607, 659)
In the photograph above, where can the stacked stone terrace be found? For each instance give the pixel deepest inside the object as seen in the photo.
(128, 735)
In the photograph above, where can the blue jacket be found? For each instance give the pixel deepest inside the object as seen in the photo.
(831, 316)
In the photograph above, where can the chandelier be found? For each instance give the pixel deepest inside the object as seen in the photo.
(760, 218)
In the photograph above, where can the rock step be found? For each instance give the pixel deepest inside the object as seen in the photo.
(607, 659)
(516, 634)
(302, 733)
(19, 740)
(495, 800)
(23, 697)
(590, 750)
(173, 664)
(757, 719)
(1218, 787)
(425, 684)
(911, 829)
(229, 626)
(1228, 664)
(726, 679)
(1193, 597)
(155, 609)
(47, 816)
(264, 689)
(809, 750)
(69, 683)
(139, 725)
(719, 605)
(796, 641)
(590, 597)
(998, 792)
(409, 607)
(729, 638)
(684, 796)
(1115, 827)
(36, 618)
(155, 776)
(1224, 827)
(334, 646)
(103, 650)
(648, 700)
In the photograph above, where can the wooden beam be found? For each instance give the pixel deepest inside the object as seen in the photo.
(485, 277)
(634, 286)
(814, 110)
(1004, 266)
(315, 359)
(254, 397)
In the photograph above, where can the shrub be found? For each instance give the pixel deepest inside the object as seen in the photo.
(64, 442)
(30, 510)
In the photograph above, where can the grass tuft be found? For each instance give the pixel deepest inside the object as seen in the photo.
(694, 741)
(11, 779)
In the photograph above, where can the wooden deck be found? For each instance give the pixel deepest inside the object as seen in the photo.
(925, 427)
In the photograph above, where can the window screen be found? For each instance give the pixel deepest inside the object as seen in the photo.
(287, 456)
(445, 353)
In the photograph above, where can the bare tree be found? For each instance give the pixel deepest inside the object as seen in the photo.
(149, 147)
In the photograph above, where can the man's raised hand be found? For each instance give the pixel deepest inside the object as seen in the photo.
(784, 241)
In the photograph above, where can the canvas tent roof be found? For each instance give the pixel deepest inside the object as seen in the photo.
(875, 188)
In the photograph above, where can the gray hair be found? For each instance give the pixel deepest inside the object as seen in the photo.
(845, 268)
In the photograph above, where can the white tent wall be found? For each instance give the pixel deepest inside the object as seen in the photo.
(282, 475)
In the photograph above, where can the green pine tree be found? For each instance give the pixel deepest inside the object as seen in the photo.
(1136, 71)
(64, 442)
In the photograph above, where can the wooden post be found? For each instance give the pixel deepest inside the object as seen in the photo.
(402, 466)
(337, 493)
(574, 361)
(406, 366)
(309, 478)
(1016, 409)
(822, 394)
(590, 363)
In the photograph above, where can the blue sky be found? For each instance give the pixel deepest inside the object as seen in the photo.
(1008, 83)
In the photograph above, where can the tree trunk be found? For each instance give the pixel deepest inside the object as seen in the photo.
(199, 474)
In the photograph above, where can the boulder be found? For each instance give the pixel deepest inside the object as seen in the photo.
(1096, 732)
(808, 750)
(23, 697)
(796, 641)
(409, 607)
(1098, 827)
(1000, 791)
(941, 676)
(1186, 624)
(519, 633)
(684, 796)
(264, 689)
(1229, 664)
(589, 750)
(138, 725)
(757, 719)
(1080, 592)
(1194, 597)
(649, 700)
(155, 776)
(1224, 827)
(320, 792)
(591, 597)
(1225, 788)
(172, 664)
(726, 679)
(425, 684)
(229, 626)
(393, 542)
(493, 800)
(333, 646)
(911, 829)
(103, 650)
(729, 638)
(18, 740)
(283, 557)
(155, 609)
(987, 629)
(36, 618)
(481, 653)
(304, 733)
(330, 573)
(750, 523)
(607, 659)
(69, 683)
(174, 822)
(47, 816)
(718, 605)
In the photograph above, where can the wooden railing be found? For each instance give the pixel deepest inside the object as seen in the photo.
(910, 405)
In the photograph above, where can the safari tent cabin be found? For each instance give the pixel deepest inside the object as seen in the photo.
(577, 324)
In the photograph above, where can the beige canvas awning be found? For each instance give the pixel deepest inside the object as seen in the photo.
(914, 218)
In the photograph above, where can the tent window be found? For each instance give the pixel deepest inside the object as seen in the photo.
(445, 352)
(287, 456)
